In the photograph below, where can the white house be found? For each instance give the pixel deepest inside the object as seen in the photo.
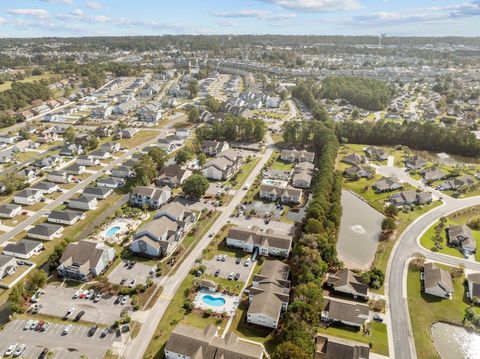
(84, 202)
(10, 210)
(23, 249)
(28, 197)
(59, 177)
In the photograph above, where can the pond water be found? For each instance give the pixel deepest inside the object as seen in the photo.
(454, 342)
(360, 228)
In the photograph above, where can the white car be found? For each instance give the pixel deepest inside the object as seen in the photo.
(231, 275)
(33, 325)
(132, 283)
(124, 300)
(67, 329)
(97, 297)
(11, 348)
(69, 313)
(19, 350)
(89, 294)
(77, 294)
(247, 263)
(28, 324)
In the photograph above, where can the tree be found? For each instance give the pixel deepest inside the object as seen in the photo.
(69, 135)
(391, 211)
(284, 95)
(54, 258)
(92, 143)
(193, 88)
(195, 186)
(202, 158)
(183, 155)
(288, 350)
(212, 104)
(193, 115)
(24, 134)
(67, 91)
(355, 113)
(145, 171)
(37, 279)
(158, 156)
(388, 224)
(37, 71)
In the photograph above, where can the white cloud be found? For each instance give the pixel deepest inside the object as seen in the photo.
(36, 13)
(2, 21)
(67, 2)
(94, 5)
(257, 14)
(79, 15)
(316, 5)
(226, 23)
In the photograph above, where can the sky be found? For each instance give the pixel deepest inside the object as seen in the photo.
(39, 18)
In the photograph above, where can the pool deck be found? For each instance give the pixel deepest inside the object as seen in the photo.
(230, 306)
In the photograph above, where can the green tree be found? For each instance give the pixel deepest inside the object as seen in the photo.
(183, 155)
(391, 210)
(195, 186)
(193, 88)
(67, 91)
(212, 104)
(24, 134)
(388, 224)
(284, 95)
(69, 135)
(288, 350)
(193, 115)
(145, 171)
(202, 158)
(92, 143)
(158, 156)
(35, 280)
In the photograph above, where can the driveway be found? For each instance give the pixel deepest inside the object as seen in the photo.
(58, 300)
(73, 345)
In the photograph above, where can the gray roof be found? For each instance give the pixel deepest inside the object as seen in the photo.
(437, 277)
(352, 280)
(330, 347)
(65, 215)
(266, 238)
(24, 246)
(44, 185)
(8, 208)
(5, 259)
(346, 311)
(44, 229)
(97, 191)
(27, 192)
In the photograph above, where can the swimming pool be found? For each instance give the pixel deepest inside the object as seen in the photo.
(112, 231)
(213, 301)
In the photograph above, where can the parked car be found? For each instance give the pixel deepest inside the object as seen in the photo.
(28, 324)
(122, 282)
(36, 308)
(40, 325)
(238, 260)
(19, 350)
(83, 294)
(132, 283)
(217, 272)
(37, 295)
(118, 299)
(219, 257)
(247, 263)
(92, 331)
(153, 270)
(43, 354)
(124, 300)
(45, 327)
(79, 316)
(33, 325)
(105, 332)
(90, 294)
(237, 276)
(97, 297)
(67, 329)
(231, 276)
(69, 313)
(377, 318)
(11, 349)
(224, 258)
(77, 294)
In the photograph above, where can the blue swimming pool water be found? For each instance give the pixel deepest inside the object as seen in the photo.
(213, 301)
(112, 231)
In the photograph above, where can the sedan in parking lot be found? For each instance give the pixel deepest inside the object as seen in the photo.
(132, 283)
(231, 276)
(33, 325)
(105, 332)
(69, 313)
(43, 354)
(217, 273)
(92, 330)
(79, 316)
(98, 296)
(19, 350)
(11, 349)
(238, 260)
(124, 300)
(77, 294)
(118, 299)
(28, 324)
(237, 276)
(67, 329)
(40, 325)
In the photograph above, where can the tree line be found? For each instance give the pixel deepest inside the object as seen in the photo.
(419, 136)
(233, 128)
(366, 93)
(314, 252)
(303, 91)
(22, 94)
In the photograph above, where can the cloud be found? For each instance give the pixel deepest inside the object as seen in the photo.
(2, 21)
(316, 5)
(67, 2)
(80, 15)
(36, 13)
(225, 23)
(93, 5)
(256, 14)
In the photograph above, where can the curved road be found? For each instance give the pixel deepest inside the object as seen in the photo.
(406, 247)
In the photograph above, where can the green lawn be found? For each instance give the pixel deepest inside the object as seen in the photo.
(428, 239)
(244, 172)
(27, 155)
(8, 84)
(141, 137)
(281, 166)
(426, 310)
(377, 338)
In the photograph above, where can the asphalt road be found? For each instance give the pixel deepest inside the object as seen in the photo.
(407, 246)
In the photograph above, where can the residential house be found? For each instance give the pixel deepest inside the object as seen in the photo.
(191, 343)
(98, 192)
(122, 172)
(461, 237)
(437, 281)
(8, 265)
(128, 133)
(345, 312)
(66, 217)
(358, 171)
(149, 113)
(47, 136)
(386, 184)
(59, 177)
(182, 132)
(100, 155)
(8, 139)
(269, 294)
(280, 191)
(110, 182)
(85, 260)
(414, 162)
(71, 150)
(353, 159)
(223, 166)
(376, 153)
(10, 210)
(302, 175)
(172, 176)
(473, 284)
(48, 163)
(411, 197)
(87, 160)
(75, 169)
(348, 282)
(45, 187)
(297, 156)
(84, 202)
(161, 236)
(457, 183)
(45, 231)
(213, 148)
(255, 239)
(331, 347)
(28, 197)
(433, 174)
(150, 197)
(110, 147)
(23, 249)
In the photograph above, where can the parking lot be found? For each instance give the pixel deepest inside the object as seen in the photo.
(139, 273)
(228, 266)
(73, 345)
(57, 301)
(277, 226)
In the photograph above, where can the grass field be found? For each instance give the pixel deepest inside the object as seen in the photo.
(141, 137)
(8, 84)
(426, 310)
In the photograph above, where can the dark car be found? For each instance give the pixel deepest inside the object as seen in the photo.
(105, 332)
(92, 331)
(377, 318)
(43, 354)
(238, 260)
(217, 272)
(118, 299)
(237, 276)
(122, 282)
(79, 316)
